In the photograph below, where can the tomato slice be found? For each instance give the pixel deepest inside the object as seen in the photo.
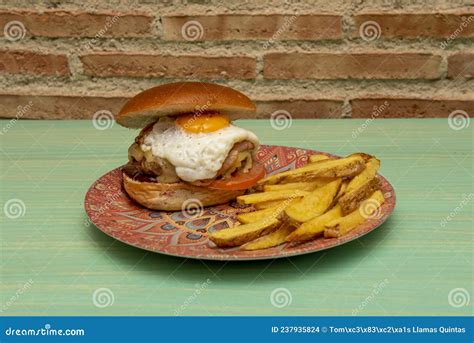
(240, 180)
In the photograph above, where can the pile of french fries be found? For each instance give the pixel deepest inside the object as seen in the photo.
(327, 197)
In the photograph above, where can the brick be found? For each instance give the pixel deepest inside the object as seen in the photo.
(461, 65)
(59, 23)
(252, 27)
(32, 63)
(189, 66)
(414, 25)
(75, 106)
(356, 66)
(301, 108)
(57, 106)
(392, 107)
(83, 107)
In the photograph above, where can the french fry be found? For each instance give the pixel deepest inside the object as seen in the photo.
(341, 190)
(363, 155)
(272, 239)
(276, 178)
(314, 204)
(241, 234)
(344, 167)
(304, 186)
(250, 217)
(371, 168)
(339, 227)
(314, 227)
(268, 196)
(350, 201)
(317, 158)
(271, 212)
(266, 204)
(329, 196)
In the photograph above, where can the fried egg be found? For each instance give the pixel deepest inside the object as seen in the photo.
(198, 148)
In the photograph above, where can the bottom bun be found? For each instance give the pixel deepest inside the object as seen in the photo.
(175, 196)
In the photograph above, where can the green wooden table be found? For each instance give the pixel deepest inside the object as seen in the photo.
(420, 262)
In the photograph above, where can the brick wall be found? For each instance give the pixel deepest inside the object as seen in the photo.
(317, 59)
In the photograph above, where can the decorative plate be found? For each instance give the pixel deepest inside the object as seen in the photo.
(180, 234)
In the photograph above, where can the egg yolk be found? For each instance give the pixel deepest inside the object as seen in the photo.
(202, 123)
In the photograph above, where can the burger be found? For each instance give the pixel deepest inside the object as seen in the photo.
(188, 148)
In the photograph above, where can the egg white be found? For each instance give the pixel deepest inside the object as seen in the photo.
(196, 156)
